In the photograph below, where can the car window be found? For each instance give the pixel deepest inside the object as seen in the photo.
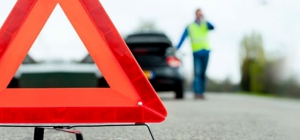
(148, 48)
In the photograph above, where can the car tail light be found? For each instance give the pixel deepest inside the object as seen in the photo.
(173, 62)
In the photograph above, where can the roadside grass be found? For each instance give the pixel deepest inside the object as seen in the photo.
(267, 95)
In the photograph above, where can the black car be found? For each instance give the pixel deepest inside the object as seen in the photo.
(156, 56)
(57, 74)
(14, 83)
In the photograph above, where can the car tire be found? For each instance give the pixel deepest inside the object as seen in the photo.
(179, 91)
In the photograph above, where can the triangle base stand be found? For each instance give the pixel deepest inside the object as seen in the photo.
(39, 130)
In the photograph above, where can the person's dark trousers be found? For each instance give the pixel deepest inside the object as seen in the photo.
(200, 65)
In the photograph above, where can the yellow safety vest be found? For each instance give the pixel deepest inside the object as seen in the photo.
(199, 36)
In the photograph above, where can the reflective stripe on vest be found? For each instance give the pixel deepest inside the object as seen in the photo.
(199, 36)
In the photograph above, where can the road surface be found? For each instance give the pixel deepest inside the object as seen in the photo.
(220, 117)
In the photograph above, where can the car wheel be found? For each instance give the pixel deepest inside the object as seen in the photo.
(179, 91)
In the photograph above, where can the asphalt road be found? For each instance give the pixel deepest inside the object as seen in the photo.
(219, 117)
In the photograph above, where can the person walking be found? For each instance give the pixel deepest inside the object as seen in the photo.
(197, 31)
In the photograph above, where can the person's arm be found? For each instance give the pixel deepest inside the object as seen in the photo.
(210, 26)
(184, 35)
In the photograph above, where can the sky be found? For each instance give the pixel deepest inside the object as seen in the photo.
(277, 20)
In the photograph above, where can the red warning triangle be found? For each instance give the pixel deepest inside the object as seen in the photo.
(130, 98)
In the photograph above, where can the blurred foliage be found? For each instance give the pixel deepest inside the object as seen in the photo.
(287, 88)
(260, 74)
(253, 63)
(221, 86)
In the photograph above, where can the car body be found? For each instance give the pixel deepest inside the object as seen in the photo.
(156, 56)
(32, 74)
(153, 51)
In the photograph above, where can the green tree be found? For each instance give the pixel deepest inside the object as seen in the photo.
(253, 60)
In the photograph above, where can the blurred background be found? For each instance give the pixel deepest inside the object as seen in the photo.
(254, 45)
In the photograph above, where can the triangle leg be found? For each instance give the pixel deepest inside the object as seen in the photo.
(79, 137)
(38, 133)
(77, 133)
(149, 129)
(115, 125)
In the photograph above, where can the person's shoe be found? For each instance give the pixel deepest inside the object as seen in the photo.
(199, 96)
